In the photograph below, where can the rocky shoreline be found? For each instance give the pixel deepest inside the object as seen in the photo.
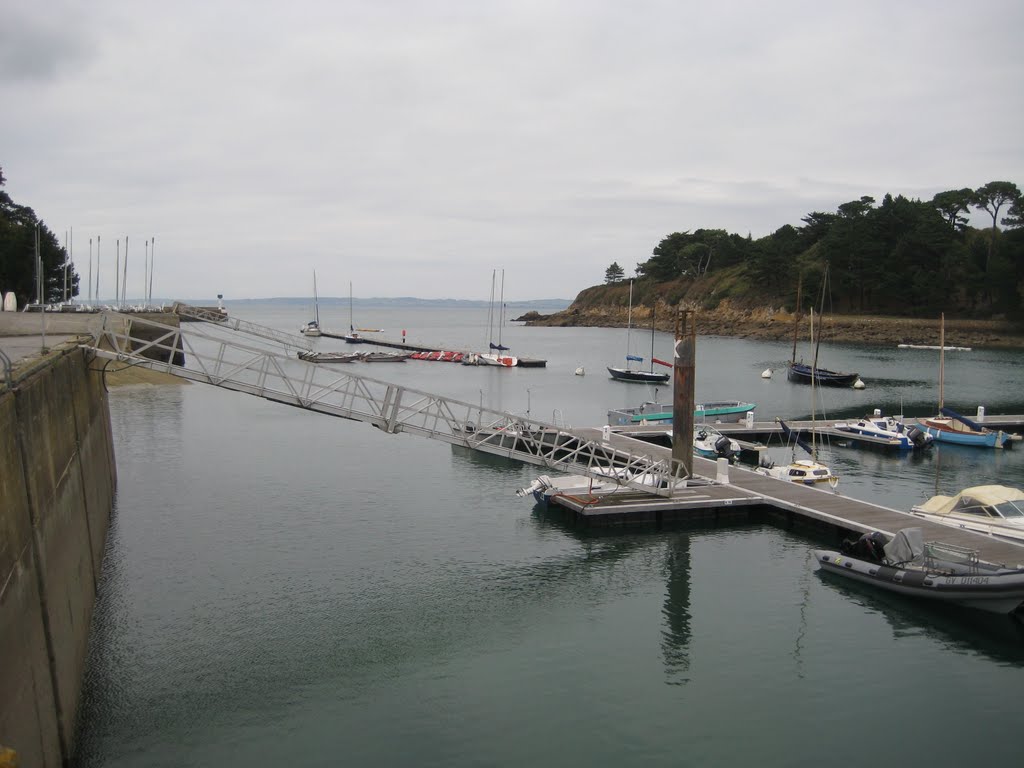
(776, 325)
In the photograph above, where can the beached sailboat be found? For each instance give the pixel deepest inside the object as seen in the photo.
(948, 426)
(636, 374)
(800, 372)
(312, 328)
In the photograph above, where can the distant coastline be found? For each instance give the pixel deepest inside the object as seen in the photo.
(549, 305)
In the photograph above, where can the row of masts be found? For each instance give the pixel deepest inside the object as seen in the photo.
(93, 288)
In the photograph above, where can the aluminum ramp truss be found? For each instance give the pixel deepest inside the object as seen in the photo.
(287, 340)
(215, 353)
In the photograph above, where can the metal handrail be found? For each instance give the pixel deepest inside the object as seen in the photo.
(222, 356)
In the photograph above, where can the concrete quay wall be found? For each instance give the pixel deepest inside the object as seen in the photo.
(57, 483)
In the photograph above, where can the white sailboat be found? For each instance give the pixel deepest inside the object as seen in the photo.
(495, 356)
(312, 328)
(806, 471)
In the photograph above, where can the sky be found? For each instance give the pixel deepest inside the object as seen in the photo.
(412, 148)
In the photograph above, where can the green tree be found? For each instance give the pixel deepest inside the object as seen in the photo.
(1014, 218)
(614, 273)
(953, 204)
(18, 230)
(990, 198)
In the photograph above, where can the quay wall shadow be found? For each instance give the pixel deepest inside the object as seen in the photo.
(57, 483)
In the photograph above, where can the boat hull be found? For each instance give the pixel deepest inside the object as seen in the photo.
(806, 374)
(951, 431)
(987, 591)
(642, 377)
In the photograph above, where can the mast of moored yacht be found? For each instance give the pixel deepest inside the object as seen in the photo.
(942, 358)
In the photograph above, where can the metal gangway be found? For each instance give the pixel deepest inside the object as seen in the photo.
(246, 357)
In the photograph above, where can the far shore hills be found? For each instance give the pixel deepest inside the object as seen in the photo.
(777, 325)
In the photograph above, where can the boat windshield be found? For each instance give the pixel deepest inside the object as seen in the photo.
(968, 505)
(1011, 509)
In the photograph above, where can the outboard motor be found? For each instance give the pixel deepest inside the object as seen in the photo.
(870, 546)
(919, 437)
(723, 447)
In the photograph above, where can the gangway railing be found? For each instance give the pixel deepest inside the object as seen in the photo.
(241, 326)
(215, 353)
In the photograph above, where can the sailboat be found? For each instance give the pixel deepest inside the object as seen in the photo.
(636, 374)
(806, 471)
(495, 356)
(312, 328)
(949, 426)
(800, 372)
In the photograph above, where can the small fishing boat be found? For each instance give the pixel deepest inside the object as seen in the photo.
(382, 357)
(905, 564)
(651, 412)
(328, 357)
(996, 510)
(900, 436)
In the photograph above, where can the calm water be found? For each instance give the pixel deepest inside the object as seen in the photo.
(283, 588)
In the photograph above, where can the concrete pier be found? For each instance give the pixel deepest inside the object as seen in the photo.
(57, 481)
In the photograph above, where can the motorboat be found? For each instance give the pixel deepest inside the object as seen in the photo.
(805, 471)
(578, 487)
(997, 510)
(900, 435)
(905, 564)
(712, 444)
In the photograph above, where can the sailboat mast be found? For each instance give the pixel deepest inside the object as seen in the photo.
(653, 311)
(316, 301)
(351, 322)
(796, 314)
(490, 311)
(629, 321)
(942, 358)
(814, 379)
(501, 309)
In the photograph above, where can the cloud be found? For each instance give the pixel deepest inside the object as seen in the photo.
(409, 147)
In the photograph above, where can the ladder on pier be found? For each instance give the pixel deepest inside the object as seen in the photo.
(245, 357)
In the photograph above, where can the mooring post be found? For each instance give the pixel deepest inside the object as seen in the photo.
(682, 388)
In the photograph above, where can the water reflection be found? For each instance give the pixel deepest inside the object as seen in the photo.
(675, 644)
(954, 628)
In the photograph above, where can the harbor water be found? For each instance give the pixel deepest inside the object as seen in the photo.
(286, 588)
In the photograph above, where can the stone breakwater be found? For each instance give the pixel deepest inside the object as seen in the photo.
(776, 325)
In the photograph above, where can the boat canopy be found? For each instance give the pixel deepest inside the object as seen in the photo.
(1008, 501)
(906, 545)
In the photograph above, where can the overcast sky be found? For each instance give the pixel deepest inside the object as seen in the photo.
(413, 147)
